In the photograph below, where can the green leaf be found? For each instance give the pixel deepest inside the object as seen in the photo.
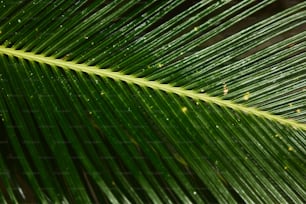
(152, 101)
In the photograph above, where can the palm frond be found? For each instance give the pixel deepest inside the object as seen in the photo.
(152, 101)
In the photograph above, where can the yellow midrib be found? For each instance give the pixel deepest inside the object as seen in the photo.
(152, 84)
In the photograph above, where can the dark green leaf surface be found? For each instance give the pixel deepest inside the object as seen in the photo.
(152, 102)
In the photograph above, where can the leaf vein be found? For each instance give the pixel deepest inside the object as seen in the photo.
(95, 70)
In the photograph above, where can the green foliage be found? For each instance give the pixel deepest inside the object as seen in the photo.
(152, 101)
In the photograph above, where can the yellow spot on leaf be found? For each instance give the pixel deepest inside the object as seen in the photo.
(286, 167)
(290, 148)
(225, 89)
(246, 96)
(160, 65)
(184, 109)
(180, 159)
(196, 28)
(290, 104)
(133, 141)
(298, 110)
